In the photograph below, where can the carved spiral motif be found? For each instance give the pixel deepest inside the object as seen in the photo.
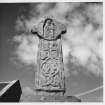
(44, 45)
(50, 67)
(50, 70)
(44, 55)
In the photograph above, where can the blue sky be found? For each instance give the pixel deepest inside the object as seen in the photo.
(82, 45)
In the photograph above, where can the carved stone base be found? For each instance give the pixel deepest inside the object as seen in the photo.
(38, 97)
(61, 99)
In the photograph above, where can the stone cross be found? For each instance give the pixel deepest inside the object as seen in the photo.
(49, 77)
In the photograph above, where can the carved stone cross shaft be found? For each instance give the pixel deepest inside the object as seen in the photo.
(49, 77)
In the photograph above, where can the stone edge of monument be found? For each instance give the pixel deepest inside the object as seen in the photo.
(11, 92)
(61, 99)
(40, 98)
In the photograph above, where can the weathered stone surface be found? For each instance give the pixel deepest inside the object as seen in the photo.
(50, 69)
(61, 99)
(10, 91)
(40, 98)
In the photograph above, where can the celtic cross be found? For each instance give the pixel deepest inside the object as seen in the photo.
(49, 76)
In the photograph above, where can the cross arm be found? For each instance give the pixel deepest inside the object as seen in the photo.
(60, 29)
(38, 30)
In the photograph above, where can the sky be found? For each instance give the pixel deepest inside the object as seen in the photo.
(82, 44)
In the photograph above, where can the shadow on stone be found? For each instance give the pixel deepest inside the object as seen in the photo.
(10, 91)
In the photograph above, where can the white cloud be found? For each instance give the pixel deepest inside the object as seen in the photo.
(27, 48)
(83, 39)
